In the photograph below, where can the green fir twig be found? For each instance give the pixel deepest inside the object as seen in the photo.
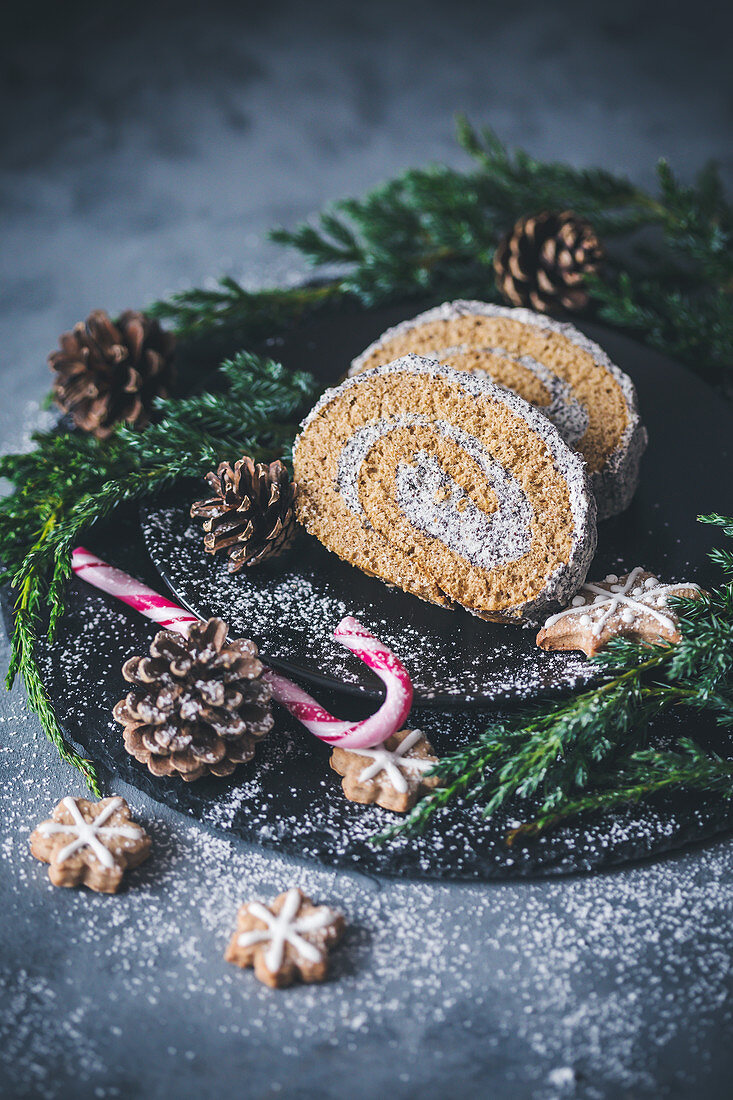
(431, 233)
(647, 773)
(555, 761)
(69, 483)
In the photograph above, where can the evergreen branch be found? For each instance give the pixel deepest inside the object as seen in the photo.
(647, 773)
(71, 482)
(695, 327)
(432, 233)
(587, 752)
(24, 661)
(246, 317)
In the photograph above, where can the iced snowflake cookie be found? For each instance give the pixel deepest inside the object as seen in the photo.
(552, 365)
(287, 939)
(90, 843)
(448, 486)
(393, 775)
(632, 606)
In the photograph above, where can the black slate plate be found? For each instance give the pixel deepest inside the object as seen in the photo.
(289, 799)
(291, 606)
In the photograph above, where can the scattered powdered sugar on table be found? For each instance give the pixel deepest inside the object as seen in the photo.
(588, 987)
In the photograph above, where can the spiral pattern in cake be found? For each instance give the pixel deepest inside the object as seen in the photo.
(552, 365)
(448, 486)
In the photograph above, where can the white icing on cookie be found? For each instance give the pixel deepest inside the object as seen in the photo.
(392, 761)
(87, 834)
(635, 599)
(282, 928)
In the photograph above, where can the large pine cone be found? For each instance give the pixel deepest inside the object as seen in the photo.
(107, 372)
(252, 516)
(542, 262)
(199, 704)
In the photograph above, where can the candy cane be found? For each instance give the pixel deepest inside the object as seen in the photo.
(353, 735)
(350, 633)
(132, 592)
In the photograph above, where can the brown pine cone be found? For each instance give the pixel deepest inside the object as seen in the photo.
(107, 372)
(252, 516)
(199, 703)
(542, 262)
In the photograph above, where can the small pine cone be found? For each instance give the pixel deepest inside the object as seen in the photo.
(542, 262)
(198, 705)
(252, 516)
(110, 371)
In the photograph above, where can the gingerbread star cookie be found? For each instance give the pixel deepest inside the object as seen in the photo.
(93, 843)
(392, 775)
(285, 940)
(632, 606)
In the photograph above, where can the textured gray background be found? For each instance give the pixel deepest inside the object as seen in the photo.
(145, 148)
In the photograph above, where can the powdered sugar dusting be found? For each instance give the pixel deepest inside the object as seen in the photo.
(289, 799)
(292, 607)
(606, 985)
(615, 484)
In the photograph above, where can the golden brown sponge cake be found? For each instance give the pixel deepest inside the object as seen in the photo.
(448, 486)
(552, 365)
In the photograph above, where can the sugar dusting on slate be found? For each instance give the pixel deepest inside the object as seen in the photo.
(288, 797)
(612, 985)
(291, 607)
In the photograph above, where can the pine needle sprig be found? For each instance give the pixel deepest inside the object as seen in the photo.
(432, 233)
(245, 316)
(71, 482)
(542, 752)
(648, 772)
(558, 760)
(24, 662)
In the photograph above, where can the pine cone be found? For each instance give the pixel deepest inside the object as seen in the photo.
(108, 371)
(541, 263)
(252, 516)
(199, 704)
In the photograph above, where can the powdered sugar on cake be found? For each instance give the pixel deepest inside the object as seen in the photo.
(460, 524)
(614, 485)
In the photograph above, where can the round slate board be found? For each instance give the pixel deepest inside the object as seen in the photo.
(290, 800)
(291, 605)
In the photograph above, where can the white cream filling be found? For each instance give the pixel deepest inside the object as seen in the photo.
(564, 410)
(435, 504)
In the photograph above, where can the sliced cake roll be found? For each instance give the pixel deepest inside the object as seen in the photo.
(552, 365)
(448, 486)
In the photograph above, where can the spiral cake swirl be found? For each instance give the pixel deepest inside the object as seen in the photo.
(552, 365)
(448, 486)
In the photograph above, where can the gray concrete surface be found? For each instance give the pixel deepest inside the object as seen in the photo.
(145, 148)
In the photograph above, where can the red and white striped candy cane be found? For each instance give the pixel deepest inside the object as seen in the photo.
(350, 633)
(132, 592)
(353, 735)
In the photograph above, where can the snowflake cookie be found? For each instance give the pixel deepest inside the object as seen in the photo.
(392, 775)
(285, 940)
(93, 843)
(632, 606)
